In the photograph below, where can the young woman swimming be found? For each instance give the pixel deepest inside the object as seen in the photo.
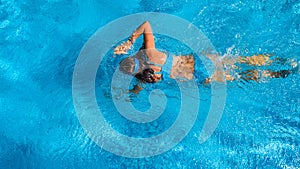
(147, 65)
(150, 65)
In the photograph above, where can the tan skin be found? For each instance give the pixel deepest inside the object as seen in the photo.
(152, 53)
(155, 55)
(183, 66)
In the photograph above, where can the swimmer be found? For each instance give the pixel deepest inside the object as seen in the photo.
(150, 65)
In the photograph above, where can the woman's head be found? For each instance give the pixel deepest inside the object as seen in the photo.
(132, 65)
(137, 68)
(127, 65)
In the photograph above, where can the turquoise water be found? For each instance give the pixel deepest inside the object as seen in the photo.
(41, 40)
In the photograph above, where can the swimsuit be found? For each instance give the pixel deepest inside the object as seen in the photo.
(166, 67)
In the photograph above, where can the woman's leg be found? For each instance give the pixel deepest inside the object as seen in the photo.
(258, 75)
(256, 60)
(253, 74)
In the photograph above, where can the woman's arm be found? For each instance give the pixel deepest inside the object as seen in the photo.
(144, 29)
(136, 89)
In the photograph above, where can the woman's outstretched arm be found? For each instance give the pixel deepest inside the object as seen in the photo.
(144, 29)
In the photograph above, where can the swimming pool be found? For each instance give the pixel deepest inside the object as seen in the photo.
(41, 40)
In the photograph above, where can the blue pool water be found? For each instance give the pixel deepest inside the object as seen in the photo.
(41, 40)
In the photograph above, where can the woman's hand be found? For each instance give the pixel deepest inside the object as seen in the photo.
(123, 48)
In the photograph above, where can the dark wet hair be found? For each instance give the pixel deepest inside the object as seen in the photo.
(146, 76)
